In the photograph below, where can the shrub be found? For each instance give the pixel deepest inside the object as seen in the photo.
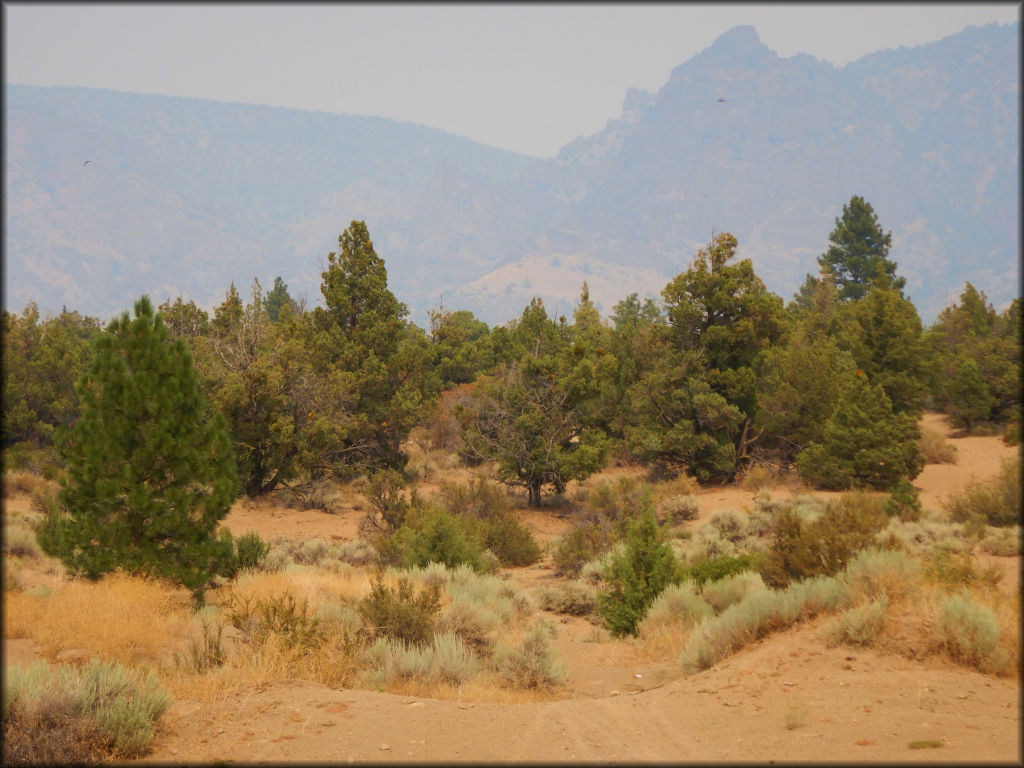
(823, 546)
(935, 449)
(646, 566)
(72, 715)
(257, 619)
(730, 524)
(434, 536)
(678, 604)
(401, 613)
(582, 543)
(873, 573)
(445, 658)
(385, 492)
(250, 550)
(510, 541)
(19, 539)
(904, 501)
(725, 591)
(617, 501)
(709, 569)
(997, 501)
(680, 509)
(956, 569)
(758, 477)
(755, 616)
(206, 651)
(858, 626)
(970, 634)
(1002, 542)
(534, 663)
(573, 598)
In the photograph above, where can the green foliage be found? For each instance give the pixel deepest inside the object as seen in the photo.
(432, 535)
(526, 416)
(487, 507)
(636, 576)
(692, 408)
(278, 299)
(904, 501)
(864, 444)
(975, 369)
(150, 469)
(857, 255)
(822, 546)
(711, 569)
(461, 346)
(41, 363)
(399, 612)
(250, 550)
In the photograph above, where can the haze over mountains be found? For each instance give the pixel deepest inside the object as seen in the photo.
(184, 196)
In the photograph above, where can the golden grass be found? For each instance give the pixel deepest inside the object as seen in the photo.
(119, 618)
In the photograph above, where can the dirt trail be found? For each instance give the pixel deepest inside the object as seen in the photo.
(843, 704)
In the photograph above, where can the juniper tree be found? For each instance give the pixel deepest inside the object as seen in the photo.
(150, 466)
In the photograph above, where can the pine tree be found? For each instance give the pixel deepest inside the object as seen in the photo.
(857, 257)
(150, 468)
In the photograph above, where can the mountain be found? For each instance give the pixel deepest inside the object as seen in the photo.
(184, 195)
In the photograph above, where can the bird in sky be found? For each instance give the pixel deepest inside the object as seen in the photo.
(86, 163)
(720, 101)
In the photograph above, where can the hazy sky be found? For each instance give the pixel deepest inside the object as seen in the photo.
(524, 77)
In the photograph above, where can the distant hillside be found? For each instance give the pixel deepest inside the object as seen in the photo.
(184, 195)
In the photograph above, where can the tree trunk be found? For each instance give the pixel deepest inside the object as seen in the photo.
(534, 489)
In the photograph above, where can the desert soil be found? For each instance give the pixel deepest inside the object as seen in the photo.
(848, 705)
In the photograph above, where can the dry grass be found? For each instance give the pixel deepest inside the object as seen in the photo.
(119, 618)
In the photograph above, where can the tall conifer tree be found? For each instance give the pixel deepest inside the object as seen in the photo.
(150, 466)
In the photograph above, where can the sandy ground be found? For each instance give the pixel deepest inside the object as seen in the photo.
(847, 705)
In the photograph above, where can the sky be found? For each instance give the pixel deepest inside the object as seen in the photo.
(524, 77)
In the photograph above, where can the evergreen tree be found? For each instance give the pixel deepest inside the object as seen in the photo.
(638, 574)
(857, 257)
(864, 444)
(526, 416)
(694, 408)
(150, 467)
(277, 299)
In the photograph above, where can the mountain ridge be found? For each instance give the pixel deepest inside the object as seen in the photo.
(737, 139)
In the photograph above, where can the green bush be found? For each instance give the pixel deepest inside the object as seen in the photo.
(904, 501)
(72, 715)
(708, 569)
(401, 613)
(250, 551)
(874, 573)
(434, 536)
(645, 567)
(510, 541)
(534, 663)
